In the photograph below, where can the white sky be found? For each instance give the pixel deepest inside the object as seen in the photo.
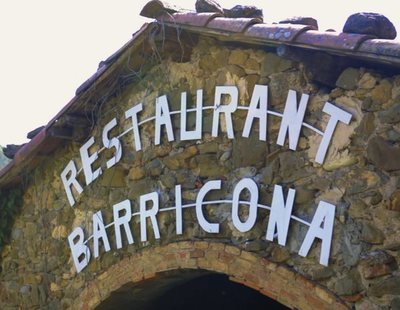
(49, 48)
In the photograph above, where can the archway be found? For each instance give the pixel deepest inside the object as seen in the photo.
(188, 289)
(202, 257)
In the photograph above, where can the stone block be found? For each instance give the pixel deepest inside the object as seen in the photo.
(272, 63)
(238, 57)
(348, 79)
(207, 166)
(382, 93)
(371, 234)
(383, 155)
(59, 232)
(114, 177)
(248, 152)
(350, 284)
(387, 286)
(391, 115)
(376, 264)
(136, 173)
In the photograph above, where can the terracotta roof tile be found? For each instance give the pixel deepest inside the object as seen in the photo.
(332, 40)
(276, 32)
(189, 18)
(305, 36)
(238, 25)
(381, 47)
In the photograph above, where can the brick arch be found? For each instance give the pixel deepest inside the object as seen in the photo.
(270, 279)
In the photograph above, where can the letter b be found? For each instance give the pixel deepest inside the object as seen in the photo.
(80, 252)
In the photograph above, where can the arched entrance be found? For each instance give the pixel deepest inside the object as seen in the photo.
(196, 259)
(188, 289)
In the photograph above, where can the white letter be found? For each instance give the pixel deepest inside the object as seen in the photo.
(251, 186)
(151, 213)
(279, 216)
(70, 168)
(163, 118)
(325, 215)
(122, 220)
(227, 109)
(87, 161)
(79, 249)
(132, 113)
(178, 206)
(99, 232)
(114, 142)
(207, 226)
(292, 119)
(337, 115)
(260, 95)
(196, 133)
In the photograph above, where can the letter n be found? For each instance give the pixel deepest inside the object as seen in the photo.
(292, 119)
(280, 214)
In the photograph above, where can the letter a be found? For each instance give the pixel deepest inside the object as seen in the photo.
(325, 215)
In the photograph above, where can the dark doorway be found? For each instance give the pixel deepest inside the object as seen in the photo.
(214, 291)
(188, 289)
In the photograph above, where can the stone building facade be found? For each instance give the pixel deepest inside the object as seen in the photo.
(127, 169)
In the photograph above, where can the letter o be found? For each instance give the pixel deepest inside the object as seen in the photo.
(251, 186)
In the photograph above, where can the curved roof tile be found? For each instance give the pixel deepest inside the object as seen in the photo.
(381, 47)
(276, 32)
(189, 18)
(253, 30)
(239, 26)
(332, 40)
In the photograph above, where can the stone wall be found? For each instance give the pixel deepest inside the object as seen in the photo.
(359, 175)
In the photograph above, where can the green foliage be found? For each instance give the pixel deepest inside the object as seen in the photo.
(10, 203)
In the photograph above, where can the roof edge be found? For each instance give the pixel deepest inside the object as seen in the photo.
(10, 172)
